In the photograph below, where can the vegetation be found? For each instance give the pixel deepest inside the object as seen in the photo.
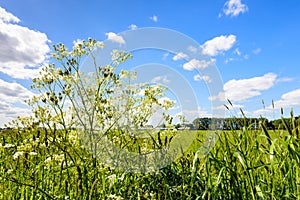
(45, 156)
(244, 164)
(236, 123)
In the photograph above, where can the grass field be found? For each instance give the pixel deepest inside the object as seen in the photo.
(244, 164)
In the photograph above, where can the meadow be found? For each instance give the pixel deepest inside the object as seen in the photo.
(243, 164)
(43, 156)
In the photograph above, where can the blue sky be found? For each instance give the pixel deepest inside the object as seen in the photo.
(254, 45)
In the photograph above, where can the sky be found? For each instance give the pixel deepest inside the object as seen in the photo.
(252, 46)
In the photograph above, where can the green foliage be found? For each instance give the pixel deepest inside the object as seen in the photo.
(43, 157)
(205, 123)
(244, 164)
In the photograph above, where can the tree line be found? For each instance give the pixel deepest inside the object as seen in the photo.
(235, 123)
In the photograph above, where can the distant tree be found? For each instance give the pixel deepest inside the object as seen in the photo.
(202, 123)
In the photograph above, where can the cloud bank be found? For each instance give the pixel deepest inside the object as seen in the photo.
(22, 50)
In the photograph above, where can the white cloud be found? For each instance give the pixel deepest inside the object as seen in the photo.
(10, 95)
(13, 92)
(237, 51)
(9, 113)
(180, 56)
(257, 51)
(165, 56)
(234, 8)
(163, 79)
(197, 64)
(115, 38)
(218, 44)
(284, 79)
(240, 90)
(132, 27)
(22, 51)
(175, 107)
(190, 115)
(7, 17)
(77, 42)
(230, 107)
(154, 18)
(229, 60)
(198, 77)
(288, 100)
(163, 99)
(192, 49)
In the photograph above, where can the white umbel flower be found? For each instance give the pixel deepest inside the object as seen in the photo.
(17, 154)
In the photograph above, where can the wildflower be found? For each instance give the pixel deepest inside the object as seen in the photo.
(113, 196)
(48, 160)
(33, 153)
(9, 145)
(122, 177)
(17, 154)
(43, 145)
(59, 157)
(173, 189)
(151, 195)
(111, 179)
(24, 147)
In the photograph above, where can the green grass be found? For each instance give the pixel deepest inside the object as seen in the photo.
(244, 164)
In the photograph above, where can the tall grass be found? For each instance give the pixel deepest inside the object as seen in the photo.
(244, 164)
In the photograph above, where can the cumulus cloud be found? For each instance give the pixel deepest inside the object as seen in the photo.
(154, 18)
(231, 107)
(115, 38)
(197, 64)
(77, 42)
(240, 90)
(132, 27)
(7, 17)
(163, 99)
(284, 79)
(163, 79)
(9, 113)
(192, 49)
(288, 100)
(234, 7)
(22, 50)
(11, 94)
(190, 115)
(198, 77)
(218, 44)
(180, 56)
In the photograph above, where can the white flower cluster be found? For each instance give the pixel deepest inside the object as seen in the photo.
(113, 196)
(17, 154)
(21, 153)
(6, 146)
(56, 157)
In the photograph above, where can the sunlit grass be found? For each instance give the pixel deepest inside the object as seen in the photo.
(244, 164)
